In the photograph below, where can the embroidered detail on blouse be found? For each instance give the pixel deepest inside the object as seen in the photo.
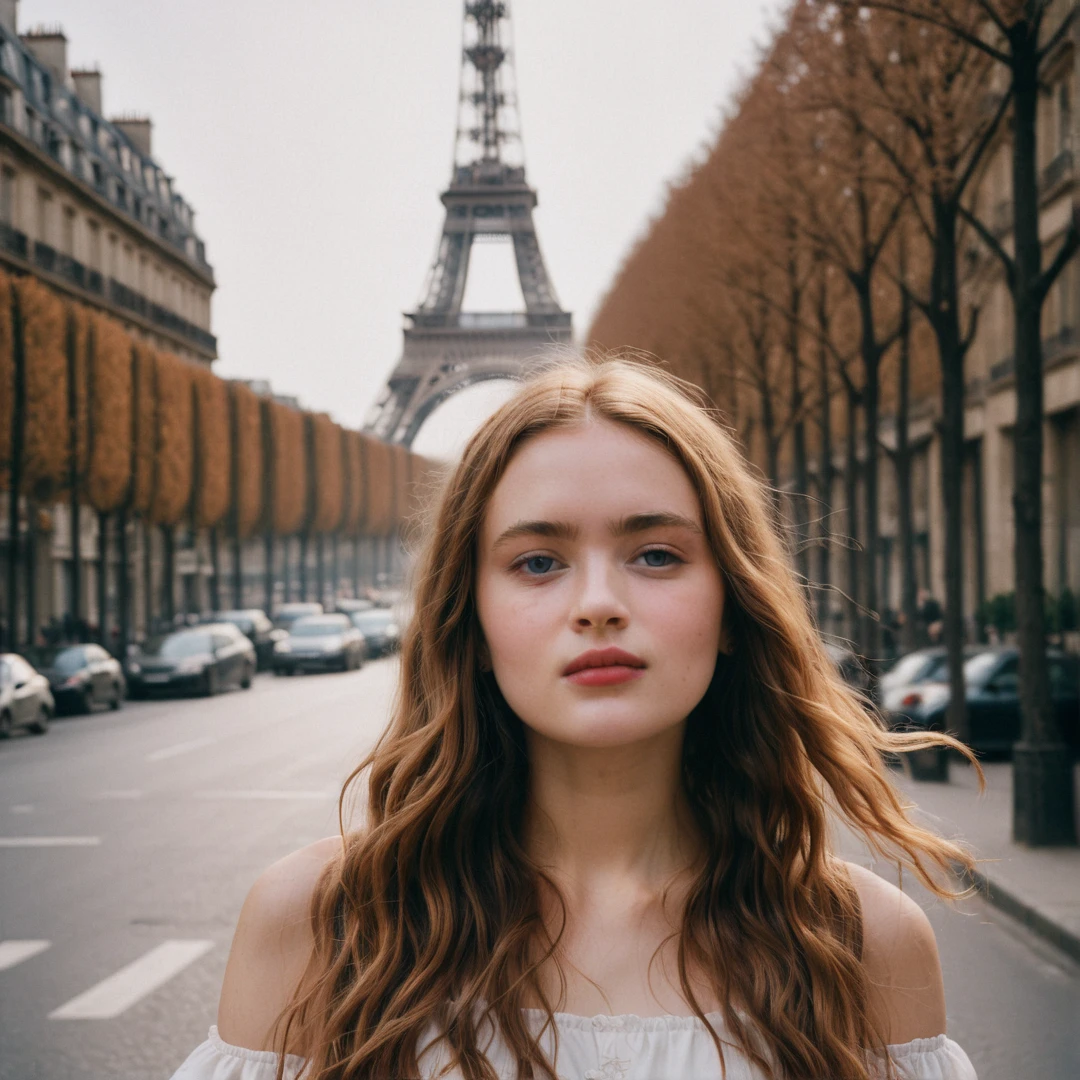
(611, 1069)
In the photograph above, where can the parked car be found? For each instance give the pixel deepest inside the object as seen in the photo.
(287, 614)
(81, 677)
(930, 664)
(25, 697)
(992, 678)
(199, 659)
(320, 642)
(380, 628)
(259, 630)
(347, 606)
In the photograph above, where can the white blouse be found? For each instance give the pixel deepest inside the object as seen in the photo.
(594, 1048)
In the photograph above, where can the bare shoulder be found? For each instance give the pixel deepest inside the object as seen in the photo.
(271, 946)
(900, 956)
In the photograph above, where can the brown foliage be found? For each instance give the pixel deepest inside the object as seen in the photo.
(355, 447)
(174, 445)
(78, 344)
(328, 473)
(48, 436)
(212, 448)
(247, 483)
(288, 456)
(7, 382)
(144, 381)
(110, 418)
(380, 515)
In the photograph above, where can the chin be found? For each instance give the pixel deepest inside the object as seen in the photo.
(598, 732)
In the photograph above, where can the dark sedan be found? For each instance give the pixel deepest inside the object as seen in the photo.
(380, 628)
(320, 643)
(81, 677)
(200, 660)
(254, 624)
(992, 678)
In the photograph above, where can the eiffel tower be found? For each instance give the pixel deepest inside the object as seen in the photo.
(447, 349)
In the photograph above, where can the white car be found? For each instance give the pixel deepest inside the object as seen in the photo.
(25, 697)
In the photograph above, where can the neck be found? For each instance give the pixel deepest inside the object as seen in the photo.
(609, 816)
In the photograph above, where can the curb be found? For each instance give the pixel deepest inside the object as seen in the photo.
(1012, 904)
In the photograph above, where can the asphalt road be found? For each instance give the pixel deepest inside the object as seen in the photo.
(114, 937)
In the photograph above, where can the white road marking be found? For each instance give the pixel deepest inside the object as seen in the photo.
(121, 793)
(49, 841)
(267, 794)
(126, 987)
(181, 748)
(15, 952)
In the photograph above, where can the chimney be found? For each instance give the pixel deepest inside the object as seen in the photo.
(137, 129)
(88, 86)
(49, 46)
(9, 15)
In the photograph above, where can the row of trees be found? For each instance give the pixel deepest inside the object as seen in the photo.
(93, 416)
(827, 264)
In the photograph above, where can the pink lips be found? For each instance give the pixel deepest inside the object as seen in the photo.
(604, 667)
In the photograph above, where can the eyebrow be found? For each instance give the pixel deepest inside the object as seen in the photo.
(634, 523)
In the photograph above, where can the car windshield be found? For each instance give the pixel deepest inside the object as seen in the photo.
(371, 620)
(178, 646)
(980, 665)
(317, 627)
(911, 667)
(64, 660)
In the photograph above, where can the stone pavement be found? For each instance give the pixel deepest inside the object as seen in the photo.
(1038, 886)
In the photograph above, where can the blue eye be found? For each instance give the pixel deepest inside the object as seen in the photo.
(538, 564)
(658, 557)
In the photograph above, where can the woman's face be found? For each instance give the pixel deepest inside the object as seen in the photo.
(593, 540)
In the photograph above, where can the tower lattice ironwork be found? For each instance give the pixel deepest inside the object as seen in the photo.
(446, 349)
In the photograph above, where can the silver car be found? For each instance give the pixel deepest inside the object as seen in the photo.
(25, 697)
(320, 642)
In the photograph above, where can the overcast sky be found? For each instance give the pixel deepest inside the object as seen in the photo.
(313, 140)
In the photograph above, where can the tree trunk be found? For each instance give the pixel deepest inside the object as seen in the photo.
(825, 472)
(851, 495)
(238, 569)
(945, 307)
(18, 438)
(103, 579)
(909, 588)
(168, 583)
(268, 573)
(123, 587)
(304, 566)
(871, 356)
(148, 580)
(356, 578)
(215, 570)
(1043, 807)
(286, 543)
(320, 567)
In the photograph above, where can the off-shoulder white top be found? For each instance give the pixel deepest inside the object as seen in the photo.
(594, 1048)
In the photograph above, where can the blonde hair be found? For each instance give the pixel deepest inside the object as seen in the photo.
(432, 915)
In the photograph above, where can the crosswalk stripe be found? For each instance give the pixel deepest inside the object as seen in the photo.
(49, 841)
(124, 988)
(15, 952)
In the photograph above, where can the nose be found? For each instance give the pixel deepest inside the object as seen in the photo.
(598, 602)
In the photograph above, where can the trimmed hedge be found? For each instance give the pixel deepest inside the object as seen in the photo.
(247, 483)
(212, 437)
(174, 457)
(108, 476)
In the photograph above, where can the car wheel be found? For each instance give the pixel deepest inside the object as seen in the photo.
(6, 725)
(117, 698)
(245, 679)
(41, 724)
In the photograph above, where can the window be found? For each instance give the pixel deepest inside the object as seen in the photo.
(7, 195)
(68, 235)
(94, 247)
(1064, 117)
(44, 217)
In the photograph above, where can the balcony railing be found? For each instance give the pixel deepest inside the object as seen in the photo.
(1056, 345)
(1056, 171)
(51, 261)
(489, 320)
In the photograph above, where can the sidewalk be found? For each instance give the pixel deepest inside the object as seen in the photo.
(1038, 886)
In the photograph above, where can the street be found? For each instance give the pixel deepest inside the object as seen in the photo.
(131, 838)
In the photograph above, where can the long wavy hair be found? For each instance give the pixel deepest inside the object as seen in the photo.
(431, 916)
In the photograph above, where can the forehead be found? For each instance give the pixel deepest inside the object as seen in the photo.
(598, 471)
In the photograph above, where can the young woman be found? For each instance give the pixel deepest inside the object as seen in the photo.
(598, 838)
